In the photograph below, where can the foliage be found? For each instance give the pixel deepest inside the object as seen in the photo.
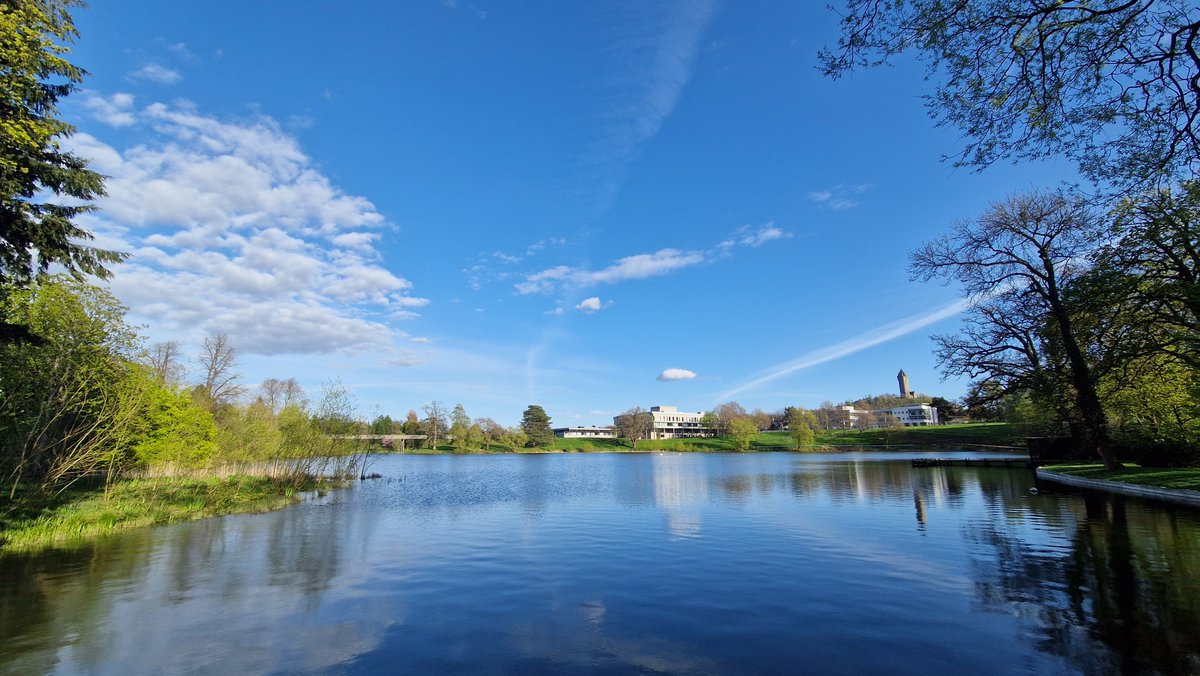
(1109, 84)
(173, 429)
(802, 425)
(946, 409)
(742, 430)
(1154, 267)
(535, 423)
(460, 430)
(69, 401)
(42, 187)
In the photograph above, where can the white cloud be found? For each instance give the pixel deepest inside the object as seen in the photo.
(640, 266)
(233, 230)
(556, 311)
(590, 305)
(115, 110)
(157, 73)
(675, 374)
(419, 339)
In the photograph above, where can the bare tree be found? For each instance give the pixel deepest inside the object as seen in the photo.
(218, 358)
(727, 412)
(435, 422)
(491, 430)
(1016, 261)
(279, 394)
(635, 424)
(165, 360)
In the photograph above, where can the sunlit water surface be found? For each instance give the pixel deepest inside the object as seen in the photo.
(648, 563)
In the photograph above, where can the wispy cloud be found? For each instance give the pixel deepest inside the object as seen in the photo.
(661, 55)
(647, 265)
(876, 336)
(754, 237)
(675, 374)
(157, 73)
(839, 197)
(639, 266)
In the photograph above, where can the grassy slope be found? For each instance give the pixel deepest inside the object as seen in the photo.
(1186, 478)
(981, 434)
(84, 513)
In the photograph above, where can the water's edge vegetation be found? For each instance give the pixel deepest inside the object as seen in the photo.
(85, 512)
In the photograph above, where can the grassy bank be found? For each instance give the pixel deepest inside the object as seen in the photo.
(943, 436)
(42, 522)
(1178, 478)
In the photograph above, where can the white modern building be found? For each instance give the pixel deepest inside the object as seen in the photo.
(913, 415)
(671, 423)
(589, 432)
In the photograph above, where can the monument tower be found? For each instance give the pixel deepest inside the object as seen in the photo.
(902, 377)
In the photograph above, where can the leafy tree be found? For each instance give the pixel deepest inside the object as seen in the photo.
(742, 430)
(635, 424)
(1152, 271)
(1016, 261)
(709, 421)
(412, 424)
(1108, 83)
(173, 429)
(946, 409)
(802, 425)
(42, 187)
(460, 429)
(69, 401)
(536, 425)
(382, 424)
(514, 437)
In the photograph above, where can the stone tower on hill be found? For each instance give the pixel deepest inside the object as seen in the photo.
(902, 377)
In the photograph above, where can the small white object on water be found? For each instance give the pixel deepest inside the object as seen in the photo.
(1033, 491)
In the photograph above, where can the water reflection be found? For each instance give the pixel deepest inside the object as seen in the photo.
(679, 563)
(680, 489)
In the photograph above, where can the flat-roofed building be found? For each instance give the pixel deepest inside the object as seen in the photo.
(671, 423)
(588, 432)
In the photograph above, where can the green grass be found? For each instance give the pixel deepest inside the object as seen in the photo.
(1180, 478)
(945, 436)
(42, 522)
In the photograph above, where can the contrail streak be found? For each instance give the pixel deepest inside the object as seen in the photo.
(876, 336)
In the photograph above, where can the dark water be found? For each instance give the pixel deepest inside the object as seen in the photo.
(661, 563)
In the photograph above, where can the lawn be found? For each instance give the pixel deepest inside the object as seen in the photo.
(1187, 478)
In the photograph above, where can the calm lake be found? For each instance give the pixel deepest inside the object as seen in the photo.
(624, 563)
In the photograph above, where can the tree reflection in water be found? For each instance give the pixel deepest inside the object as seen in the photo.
(1105, 582)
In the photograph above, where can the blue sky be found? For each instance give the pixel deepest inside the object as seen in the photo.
(588, 206)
